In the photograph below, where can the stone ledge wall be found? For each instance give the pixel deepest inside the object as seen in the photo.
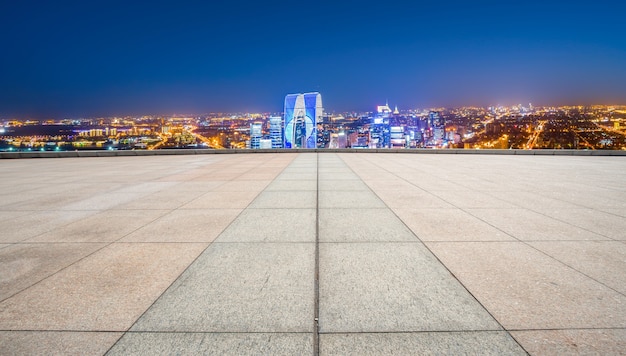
(67, 154)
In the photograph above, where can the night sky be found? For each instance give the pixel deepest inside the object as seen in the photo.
(104, 58)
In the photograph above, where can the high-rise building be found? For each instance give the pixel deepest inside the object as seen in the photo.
(256, 133)
(379, 128)
(438, 126)
(396, 135)
(302, 112)
(265, 143)
(276, 131)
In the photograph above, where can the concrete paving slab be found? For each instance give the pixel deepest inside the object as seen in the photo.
(272, 225)
(257, 176)
(292, 185)
(599, 222)
(349, 200)
(477, 183)
(24, 265)
(389, 184)
(103, 201)
(291, 169)
(573, 342)
(471, 199)
(16, 184)
(311, 175)
(105, 292)
(285, 199)
(362, 225)
(9, 216)
(600, 260)
(243, 186)
(338, 176)
(438, 184)
(106, 226)
(199, 177)
(142, 343)
(593, 200)
(536, 201)
(371, 174)
(197, 225)
(144, 187)
(392, 287)
(222, 200)
(342, 185)
(240, 287)
(9, 201)
(411, 199)
(527, 225)
(56, 342)
(424, 343)
(36, 223)
(328, 170)
(525, 289)
(196, 187)
(526, 284)
(449, 225)
(47, 201)
(165, 200)
(615, 212)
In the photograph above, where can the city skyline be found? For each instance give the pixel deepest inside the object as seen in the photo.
(84, 60)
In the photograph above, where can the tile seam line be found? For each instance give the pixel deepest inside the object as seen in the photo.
(524, 242)
(316, 305)
(198, 256)
(433, 254)
(308, 332)
(414, 332)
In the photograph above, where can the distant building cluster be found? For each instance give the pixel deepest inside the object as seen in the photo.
(303, 123)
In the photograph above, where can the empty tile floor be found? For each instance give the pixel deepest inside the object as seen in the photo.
(313, 253)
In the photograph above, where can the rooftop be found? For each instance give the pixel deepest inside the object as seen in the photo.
(313, 253)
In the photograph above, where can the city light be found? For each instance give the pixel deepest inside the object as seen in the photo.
(496, 127)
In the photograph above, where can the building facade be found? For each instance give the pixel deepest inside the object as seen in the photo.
(302, 113)
(256, 134)
(276, 131)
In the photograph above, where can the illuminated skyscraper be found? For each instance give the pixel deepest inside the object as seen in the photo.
(302, 112)
(380, 129)
(276, 131)
(256, 133)
(438, 126)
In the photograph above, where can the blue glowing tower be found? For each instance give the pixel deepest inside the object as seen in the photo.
(302, 112)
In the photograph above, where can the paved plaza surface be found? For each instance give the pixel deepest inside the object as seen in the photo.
(313, 253)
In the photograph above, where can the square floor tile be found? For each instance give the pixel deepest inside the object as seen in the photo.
(392, 287)
(240, 287)
(449, 225)
(142, 343)
(272, 225)
(525, 289)
(361, 225)
(196, 225)
(56, 342)
(106, 292)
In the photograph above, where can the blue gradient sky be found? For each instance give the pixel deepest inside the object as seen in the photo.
(83, 58)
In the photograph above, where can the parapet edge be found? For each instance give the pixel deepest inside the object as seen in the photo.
(115, 153)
